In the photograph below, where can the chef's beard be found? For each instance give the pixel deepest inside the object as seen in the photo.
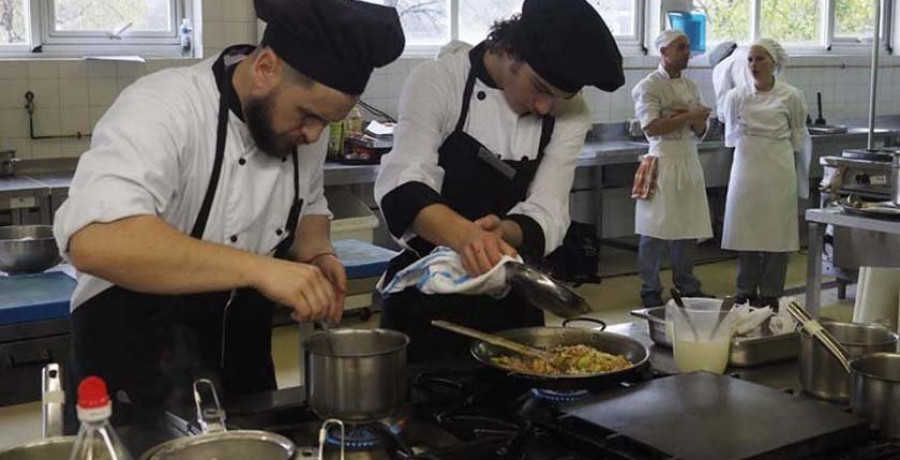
(258, 114)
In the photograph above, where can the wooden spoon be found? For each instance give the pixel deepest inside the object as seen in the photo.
(494, 340)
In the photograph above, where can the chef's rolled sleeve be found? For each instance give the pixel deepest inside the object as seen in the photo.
(547, 201)
(647, 103)
(410, 177)
(132, 167)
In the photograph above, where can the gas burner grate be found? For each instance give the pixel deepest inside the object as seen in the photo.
(356, 438)
(559, 396)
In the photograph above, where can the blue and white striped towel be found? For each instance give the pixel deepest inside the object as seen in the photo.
(442, 272)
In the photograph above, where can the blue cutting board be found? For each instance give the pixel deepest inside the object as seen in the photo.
(41, 296)
(362, 259)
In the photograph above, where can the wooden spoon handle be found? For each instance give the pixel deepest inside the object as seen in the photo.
(493, 340)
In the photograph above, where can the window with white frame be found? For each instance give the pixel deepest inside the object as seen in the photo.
(799, 23)
(80, 26)
(432, 23)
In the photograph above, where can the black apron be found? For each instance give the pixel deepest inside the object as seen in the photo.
(473, 188)
(150, 348)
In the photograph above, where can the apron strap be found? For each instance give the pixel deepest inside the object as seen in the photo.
(221, 135)
(548, 123)
(467, 98)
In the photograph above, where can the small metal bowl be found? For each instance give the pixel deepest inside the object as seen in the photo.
(27, 249)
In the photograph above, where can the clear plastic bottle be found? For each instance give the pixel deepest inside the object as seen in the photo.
(184, 33)
(97, 440)
(354, 122)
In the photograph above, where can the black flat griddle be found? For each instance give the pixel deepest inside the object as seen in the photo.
(707, 416)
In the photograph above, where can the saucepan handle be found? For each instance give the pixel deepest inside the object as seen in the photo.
(602, 323)
(211, 419)
(815, 329)
(53, 398)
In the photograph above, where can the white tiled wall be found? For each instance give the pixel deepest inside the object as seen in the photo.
(71, 95)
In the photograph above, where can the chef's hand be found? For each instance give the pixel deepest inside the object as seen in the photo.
(698, 114)
(491, 223)
(482, 250)
(333, 269)
(301, 287)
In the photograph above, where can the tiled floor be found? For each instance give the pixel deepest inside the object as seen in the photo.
(611, 301)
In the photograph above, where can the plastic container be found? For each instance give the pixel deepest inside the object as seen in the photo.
(96, 438)
(185, 39)
(352, 218)
(693, 25)
(702, 339)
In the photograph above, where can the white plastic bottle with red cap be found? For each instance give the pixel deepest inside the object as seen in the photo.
(96, 437)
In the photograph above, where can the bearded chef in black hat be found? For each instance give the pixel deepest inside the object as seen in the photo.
(483, 160)
(200, 205)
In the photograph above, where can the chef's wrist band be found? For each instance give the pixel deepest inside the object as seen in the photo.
(319, 255)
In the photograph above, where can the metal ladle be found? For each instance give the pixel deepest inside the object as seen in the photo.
(542, 291)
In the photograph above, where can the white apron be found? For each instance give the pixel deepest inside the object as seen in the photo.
(761, 209)
(679, 209)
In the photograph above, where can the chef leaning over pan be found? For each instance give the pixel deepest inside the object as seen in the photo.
(200, 203)
(483, 161)
(766, 124)
(671, 209)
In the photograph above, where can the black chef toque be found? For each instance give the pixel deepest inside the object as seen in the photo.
(335, 42)
(570, 45)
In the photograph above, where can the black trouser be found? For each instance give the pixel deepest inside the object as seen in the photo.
(411, 312)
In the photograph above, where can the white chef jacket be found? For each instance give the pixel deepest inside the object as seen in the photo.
(679, 208)
(766, 128)
(152, 153)
(732, 72)
(430, 105)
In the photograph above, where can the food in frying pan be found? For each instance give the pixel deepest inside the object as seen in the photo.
(567, 360)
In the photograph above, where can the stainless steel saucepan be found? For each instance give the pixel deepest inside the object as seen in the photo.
(355, 375)
(53, 445)
(875, 387)
(821, 375)
(218, 443)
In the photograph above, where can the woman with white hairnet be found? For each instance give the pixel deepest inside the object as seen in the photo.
(671, 212)
(766, 124)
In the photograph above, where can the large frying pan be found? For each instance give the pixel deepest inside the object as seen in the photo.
(549, 337)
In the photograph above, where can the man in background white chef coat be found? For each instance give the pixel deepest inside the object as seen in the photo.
(673, 212)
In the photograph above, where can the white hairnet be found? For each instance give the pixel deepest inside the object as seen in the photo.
(776, 52)
(666, 37)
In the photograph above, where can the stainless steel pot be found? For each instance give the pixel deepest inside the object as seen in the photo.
(8, 162)
(822, 375)
(218, 443)
(875, 388)
(54, 445)
(876, 391)
(27, 248)
(355, 375)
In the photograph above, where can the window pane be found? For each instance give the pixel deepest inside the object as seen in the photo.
(618, 15)
(477, 16)
(112, 15)
(425, 22)
(12, 22)
(854, 18)
(792, 21)
(726, 20)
